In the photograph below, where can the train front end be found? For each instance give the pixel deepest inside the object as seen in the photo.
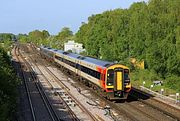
(118, 83)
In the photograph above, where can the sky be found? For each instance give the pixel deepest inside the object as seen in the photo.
(23, 16)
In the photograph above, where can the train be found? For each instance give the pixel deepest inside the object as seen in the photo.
(109, 79)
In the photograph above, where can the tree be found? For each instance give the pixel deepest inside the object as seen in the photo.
(7, 37)
(23, 38)
(8, 88)
(63, 36)
(38, 37)
(45, 34)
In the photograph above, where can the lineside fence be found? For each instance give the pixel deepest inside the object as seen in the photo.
(166, 99)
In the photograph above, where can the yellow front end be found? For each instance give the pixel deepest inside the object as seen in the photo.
(117, 81)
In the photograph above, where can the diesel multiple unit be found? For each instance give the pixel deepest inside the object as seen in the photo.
(109, 79)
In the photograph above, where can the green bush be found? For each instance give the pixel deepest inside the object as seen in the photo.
(173, 82)
(138, 76)
(8, 88)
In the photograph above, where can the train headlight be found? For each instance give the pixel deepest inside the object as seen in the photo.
(127, 81)
(109, 84)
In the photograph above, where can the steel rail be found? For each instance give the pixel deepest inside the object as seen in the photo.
(67, 90)
(26, 86)
(142, 112)
(157, 108)
(75, 118)
(43, 95)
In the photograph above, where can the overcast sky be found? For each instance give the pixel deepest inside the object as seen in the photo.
(23, 16)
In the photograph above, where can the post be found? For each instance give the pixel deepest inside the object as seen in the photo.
(151, 87)
(143, 84)
(177, 97)
(162, 90)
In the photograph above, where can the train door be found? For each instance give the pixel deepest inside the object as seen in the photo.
(118, 79)
(78, 68)
(110, 79)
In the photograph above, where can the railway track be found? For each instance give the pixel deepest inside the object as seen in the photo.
(142, 109)
(151, 112)
(92, 117)
(71, 113)
(155, 104)
(66, 92)
(32, 86)
(136, 110)
(46, 73)
(19, 67)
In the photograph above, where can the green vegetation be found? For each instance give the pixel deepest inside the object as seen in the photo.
(65, 35)
(7, 36)
(6, 40)
(44, 38)
(147, 76)
(146, 31)
(8, 82)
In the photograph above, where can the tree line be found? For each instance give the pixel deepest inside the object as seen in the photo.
(44, 38)
(7, 37)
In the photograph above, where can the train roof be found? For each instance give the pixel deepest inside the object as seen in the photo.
(48, 48)
(91, 60)
(59, 51)
(97, 61)
(67, 53)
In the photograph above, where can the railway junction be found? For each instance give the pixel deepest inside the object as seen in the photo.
(49, 94)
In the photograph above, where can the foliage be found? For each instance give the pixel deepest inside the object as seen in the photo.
(146, 31)
(63, 36)
(44, 38)
(6, 40)
(23, 38)
(144, 75)
(6, 45)
(37, 36)
(173, 81)
(8, 88)
(7, 37)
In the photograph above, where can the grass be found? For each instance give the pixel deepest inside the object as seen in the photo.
(138, 77)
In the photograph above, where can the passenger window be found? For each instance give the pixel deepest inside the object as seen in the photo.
(110, 77)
